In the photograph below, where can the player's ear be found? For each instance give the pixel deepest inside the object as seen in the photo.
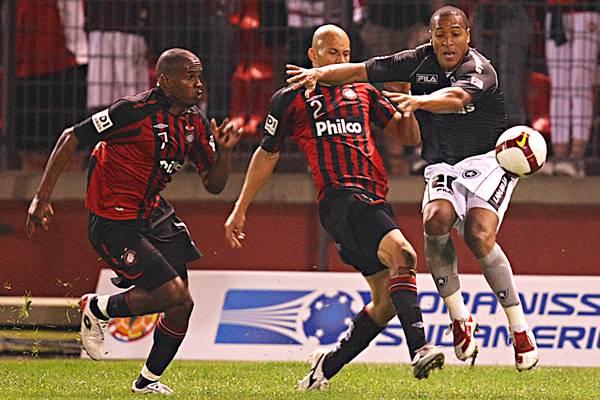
(163, 80)
(311, 54)
(468, 35)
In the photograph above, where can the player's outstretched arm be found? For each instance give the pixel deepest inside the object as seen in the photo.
(443, 101)
(261, 168)
(40, 210)
(335, 74)
(226, 135)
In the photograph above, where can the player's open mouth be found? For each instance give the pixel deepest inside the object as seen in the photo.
(449, 54)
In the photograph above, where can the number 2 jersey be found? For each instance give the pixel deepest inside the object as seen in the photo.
(450, 137)
(332, 129)
(139, 145)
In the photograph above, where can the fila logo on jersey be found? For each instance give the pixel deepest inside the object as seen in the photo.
(271, 124)
(102, 121)
(339, 126)
(430, 79)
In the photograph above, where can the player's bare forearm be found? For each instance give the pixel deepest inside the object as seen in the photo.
(335, 74)
(216, 179)
(61, 154)
(261, 168)
(445, 101)
(259, 171)
(40, 210)
(226, 136)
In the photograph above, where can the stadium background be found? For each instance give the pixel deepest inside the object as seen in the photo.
(551, 228)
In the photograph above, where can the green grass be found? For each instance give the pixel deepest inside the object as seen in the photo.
(84, 379)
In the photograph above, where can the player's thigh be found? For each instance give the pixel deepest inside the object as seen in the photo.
(395, 251)
(123, 246)
(443, 201)
(357, 223)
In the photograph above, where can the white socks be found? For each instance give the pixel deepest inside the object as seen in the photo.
(456, 306)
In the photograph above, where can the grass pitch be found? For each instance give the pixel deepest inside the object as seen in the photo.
(85, 379)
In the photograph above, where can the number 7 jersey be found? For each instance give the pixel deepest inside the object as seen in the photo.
(139, 145)
(332, 129)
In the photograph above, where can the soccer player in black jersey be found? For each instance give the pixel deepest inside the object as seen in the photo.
(457, 100)
(332, 129)
(140, 141)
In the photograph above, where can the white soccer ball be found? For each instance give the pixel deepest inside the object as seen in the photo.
(521, 151)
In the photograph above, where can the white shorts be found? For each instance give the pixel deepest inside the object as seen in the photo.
(475, 182)
(118, 67)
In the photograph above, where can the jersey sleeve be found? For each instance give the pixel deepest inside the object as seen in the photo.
(103, 124)
(393, 68)
(476, 77)
(381, 111)
(203, 153)
(279, 121)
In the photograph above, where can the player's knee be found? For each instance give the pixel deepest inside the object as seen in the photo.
(437, 221)
(181, 296)
(400, 258)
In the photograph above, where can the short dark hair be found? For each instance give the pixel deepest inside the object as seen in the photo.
(171, 59)
(446, 11)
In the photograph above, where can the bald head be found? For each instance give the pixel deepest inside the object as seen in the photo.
(174, 59)
(330, 45)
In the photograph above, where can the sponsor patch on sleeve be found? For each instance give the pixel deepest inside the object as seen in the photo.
(477, 82)
(102, 121)
(271, 124)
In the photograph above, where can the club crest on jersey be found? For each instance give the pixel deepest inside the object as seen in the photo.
(271, 124)
(430, 79)
(471, 173)
(349, 94)
(189, 137)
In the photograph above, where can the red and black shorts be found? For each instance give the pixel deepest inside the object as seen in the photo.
(145, 253)
(357, 220)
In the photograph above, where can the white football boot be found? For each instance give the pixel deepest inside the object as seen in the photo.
(526, 351)
(154, 388)
(92, 329)
(465, 346)
(427, 358)
(315, 379)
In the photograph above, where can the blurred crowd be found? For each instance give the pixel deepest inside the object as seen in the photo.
(74, 57)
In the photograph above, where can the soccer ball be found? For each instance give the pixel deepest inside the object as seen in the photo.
(521, 151)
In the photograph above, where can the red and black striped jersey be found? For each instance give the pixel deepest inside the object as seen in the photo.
(332, 129)
(139, 145)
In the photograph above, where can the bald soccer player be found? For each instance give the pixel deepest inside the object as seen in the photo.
(331, 128)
